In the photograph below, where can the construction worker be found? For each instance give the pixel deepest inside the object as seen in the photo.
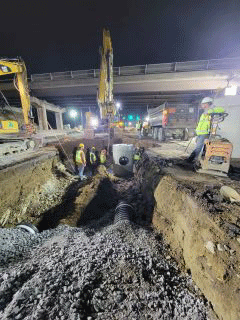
(204, 126)
(103, 156)
(93, 160)
(139, 126)
(81, 160)
(137, 154)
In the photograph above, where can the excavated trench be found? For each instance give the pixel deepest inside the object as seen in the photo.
(83, 265)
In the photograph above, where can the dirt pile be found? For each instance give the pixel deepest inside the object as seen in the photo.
(192, 219)
(116, 273)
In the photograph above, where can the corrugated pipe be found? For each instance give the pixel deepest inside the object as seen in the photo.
(28, 227)
(122, 212)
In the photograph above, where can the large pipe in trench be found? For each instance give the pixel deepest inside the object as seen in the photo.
(122, 212)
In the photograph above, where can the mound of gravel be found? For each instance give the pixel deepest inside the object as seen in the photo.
(74, 273)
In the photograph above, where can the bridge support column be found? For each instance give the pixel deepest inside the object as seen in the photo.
(42, 118)
(59, 120)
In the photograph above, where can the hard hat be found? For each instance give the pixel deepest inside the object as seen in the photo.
(93, 148)
(207, 100)
(81, 145)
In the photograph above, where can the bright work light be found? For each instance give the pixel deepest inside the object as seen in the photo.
(94, 122)
(73, 114)
(231, 91)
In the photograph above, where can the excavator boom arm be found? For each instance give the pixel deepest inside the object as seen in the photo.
(105, 92)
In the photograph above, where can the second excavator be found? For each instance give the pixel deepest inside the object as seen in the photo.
(12, 139)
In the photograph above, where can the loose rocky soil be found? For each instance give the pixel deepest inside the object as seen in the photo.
(82, 266)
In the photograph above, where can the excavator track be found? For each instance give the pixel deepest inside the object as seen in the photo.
(13, 146)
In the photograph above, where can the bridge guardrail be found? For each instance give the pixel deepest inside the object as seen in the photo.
(198, 65)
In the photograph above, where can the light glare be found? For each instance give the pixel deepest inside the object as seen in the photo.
(231, 91)
(94, 122)
(73, 114)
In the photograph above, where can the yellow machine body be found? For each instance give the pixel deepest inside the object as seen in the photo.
(18, 67)
(8, 126)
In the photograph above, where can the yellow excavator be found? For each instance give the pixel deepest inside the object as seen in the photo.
(11, 139)
(105, 90)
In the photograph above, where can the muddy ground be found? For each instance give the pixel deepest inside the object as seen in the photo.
(201, 229)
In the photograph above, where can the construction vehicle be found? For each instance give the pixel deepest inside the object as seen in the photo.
(13, 139)
(171, 120)
(105, 91)
(216, 153)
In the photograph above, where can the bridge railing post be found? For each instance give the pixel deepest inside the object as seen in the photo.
(119, 71)
(94, 73)
(51, 76)
(71, 73)
(175, 67)
(145, 70)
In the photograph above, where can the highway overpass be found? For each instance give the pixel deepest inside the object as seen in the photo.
(138, 85)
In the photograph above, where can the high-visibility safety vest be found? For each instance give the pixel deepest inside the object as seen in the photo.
(136, 156)
(80, 156)
(103, 157)
(203, 126)
(93, 158)
(204, 122)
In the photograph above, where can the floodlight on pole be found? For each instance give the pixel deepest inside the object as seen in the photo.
(73, 114)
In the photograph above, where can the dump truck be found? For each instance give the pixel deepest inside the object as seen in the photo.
(171, 120)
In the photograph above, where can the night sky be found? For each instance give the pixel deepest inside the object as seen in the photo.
(59, 36)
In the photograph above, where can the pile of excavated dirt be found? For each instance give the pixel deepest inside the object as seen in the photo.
(203, 232)
(118, 272)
